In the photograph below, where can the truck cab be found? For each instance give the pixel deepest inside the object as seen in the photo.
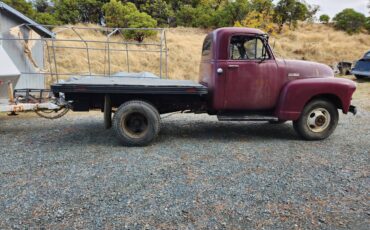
(240, 70)
(246, 81)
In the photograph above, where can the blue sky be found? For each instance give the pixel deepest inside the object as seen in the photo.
(332, 7)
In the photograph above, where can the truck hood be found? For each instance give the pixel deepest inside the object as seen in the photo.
(296, 69)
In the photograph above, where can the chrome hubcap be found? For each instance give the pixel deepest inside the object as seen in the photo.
(318, 120)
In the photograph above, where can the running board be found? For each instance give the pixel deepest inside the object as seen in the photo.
(246, 118)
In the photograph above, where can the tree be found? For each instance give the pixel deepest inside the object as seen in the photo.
(214, 4)
(47, 19)
(22, 6)
(138, 19)
(367, 24)
(67, 11)
(260, 20)
(231, 12)
(290, 11)
(116, 13)
(39, 10)
(72, 11)
(186, 16)
(265, 6)
(201, 16)
(350, 21)
(126, 15)
(160, 10)
(312, 11)
(324, 18)
(42, 6)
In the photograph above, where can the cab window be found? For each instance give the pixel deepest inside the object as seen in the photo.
(207, 47)
(247, 48)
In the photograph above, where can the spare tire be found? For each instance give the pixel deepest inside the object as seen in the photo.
(136, 123)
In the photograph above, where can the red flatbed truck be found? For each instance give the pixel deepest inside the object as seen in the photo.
(240, 80)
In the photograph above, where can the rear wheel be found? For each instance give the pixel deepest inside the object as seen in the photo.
(136, 123)
(318, 120)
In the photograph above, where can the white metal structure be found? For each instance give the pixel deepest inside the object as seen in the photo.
(13, 24)
(9, 73)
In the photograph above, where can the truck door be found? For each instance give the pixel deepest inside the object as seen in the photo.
(252, 81)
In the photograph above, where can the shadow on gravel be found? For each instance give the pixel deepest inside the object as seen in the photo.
(91, 131)
(94, 133)
(227, 131)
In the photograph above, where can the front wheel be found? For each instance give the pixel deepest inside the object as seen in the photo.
(318, 120)
(136, 123)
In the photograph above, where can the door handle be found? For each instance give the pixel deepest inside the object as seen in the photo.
(233, 66)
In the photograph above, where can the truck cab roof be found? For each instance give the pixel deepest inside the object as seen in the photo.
(243, 30)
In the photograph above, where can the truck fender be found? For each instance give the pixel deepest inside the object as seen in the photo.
(297, 93)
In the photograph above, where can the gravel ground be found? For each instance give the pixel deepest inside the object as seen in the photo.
(199, 173)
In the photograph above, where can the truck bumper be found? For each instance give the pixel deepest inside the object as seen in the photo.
(353, 109)
(361, 73)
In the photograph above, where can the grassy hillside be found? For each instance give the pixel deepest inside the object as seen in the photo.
(310, 42)
(321, 43)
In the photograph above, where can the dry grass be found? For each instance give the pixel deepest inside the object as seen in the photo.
(310, 42)
(320, 43)
(362, 94)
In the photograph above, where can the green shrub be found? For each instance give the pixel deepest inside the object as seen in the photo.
(23, 6)
(367, 24)
(126, 15)
(291, 11)
(324, 18)
(140, 20)
(350, 21)
(47, 19)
